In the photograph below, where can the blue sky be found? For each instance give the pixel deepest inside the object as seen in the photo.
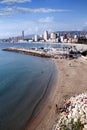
(36, 16)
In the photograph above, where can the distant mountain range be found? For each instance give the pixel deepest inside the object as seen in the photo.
(85, 28)
(83, 32)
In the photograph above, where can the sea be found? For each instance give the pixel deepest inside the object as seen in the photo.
(23, 82)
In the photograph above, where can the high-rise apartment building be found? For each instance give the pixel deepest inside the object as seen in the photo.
(36, 38)
(53, 35)
(46, 35)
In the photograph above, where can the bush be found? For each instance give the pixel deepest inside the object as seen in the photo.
(84, 53)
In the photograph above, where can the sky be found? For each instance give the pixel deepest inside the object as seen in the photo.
(36, 16)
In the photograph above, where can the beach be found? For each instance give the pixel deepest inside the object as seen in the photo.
(71, 81)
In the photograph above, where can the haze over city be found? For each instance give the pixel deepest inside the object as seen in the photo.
(36, 16)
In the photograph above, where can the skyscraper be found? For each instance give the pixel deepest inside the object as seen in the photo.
(22, 35)
(36, 38)
(46, 35)
(53, 35)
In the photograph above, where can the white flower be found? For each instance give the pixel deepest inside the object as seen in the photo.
(77, 110)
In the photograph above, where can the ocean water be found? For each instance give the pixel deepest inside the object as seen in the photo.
(23, 82)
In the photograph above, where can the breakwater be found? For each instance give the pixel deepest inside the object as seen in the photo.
(26, 51)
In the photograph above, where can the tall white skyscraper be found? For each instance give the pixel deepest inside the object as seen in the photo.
(36, 38)
(46, 35)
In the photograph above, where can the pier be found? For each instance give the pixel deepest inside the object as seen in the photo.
(28, 51)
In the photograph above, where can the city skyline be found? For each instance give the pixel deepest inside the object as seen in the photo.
(36, 16)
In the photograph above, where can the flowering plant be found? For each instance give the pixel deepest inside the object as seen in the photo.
(73, 115)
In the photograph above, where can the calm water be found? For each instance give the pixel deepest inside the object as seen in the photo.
(23, 81)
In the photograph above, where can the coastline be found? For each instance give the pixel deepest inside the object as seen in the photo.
(42, 106)
(72, 71)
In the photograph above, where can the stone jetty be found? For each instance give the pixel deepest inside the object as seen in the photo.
(43, 53)
(28, 51)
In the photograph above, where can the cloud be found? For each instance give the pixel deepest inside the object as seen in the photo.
(13, 1)
(14, 28)
(46, 20)
(6, 11)
(40, 10)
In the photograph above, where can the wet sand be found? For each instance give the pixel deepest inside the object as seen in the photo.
(71, 80)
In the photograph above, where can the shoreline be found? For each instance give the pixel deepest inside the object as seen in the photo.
(72, 71)
(40, 109)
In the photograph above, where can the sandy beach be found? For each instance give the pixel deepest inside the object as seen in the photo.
(72, 80)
